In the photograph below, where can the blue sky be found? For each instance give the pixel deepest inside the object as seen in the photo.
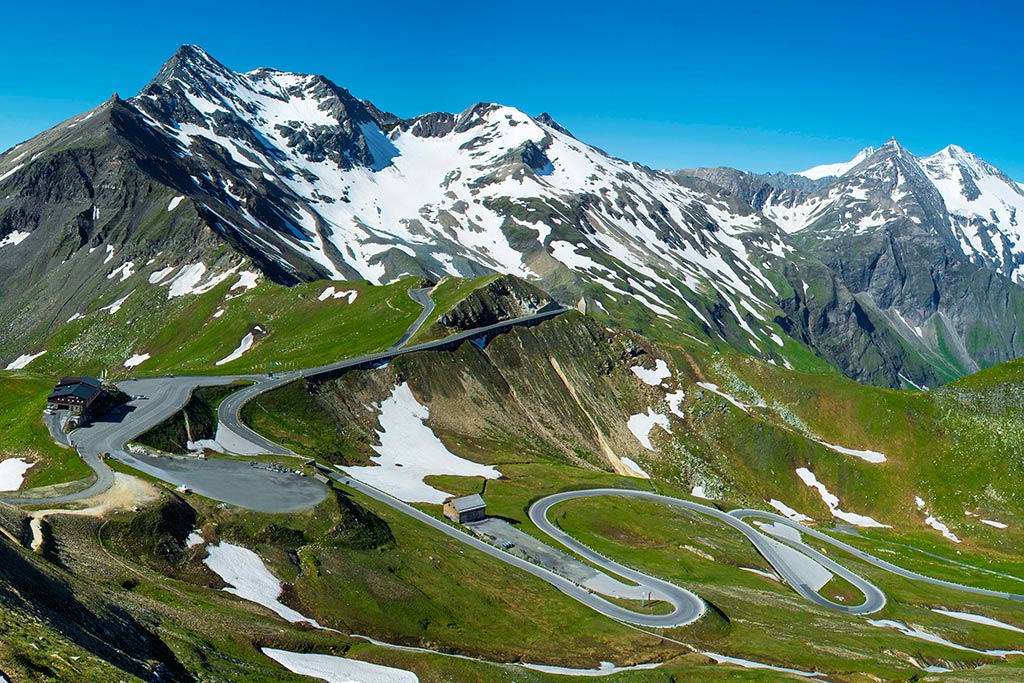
(760, 86)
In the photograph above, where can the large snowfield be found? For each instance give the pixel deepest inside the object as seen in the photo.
(410, 451)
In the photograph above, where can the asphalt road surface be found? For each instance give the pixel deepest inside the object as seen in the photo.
(236, 482)
(792, 572)
(422, 297)
(870, 559)
(229, 481)
(687, 606)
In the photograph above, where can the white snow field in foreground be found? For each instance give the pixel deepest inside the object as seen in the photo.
(932, 638)
(15, 238)
(605, 669)
(339, 669)
(865, 455)
(330, 293)
(934, 523)
(409, 451)
(641, 425)
(632, 464)
(995, 524)
(713, 388)
(788, 511)
(136, 360)
(12, 473)
(698, 491)
(250, 579)
(832, 501)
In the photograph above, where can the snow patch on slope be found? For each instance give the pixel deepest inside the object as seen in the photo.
(788, 511)
(653, 377)
(330, 293)
(248, 578)
(409, 451)
(14, 239)
(865, 455)
(12, 473)
(932, 638)
(826, 170)
(136, 360)
(832, 502)
(242, 347)
(978, 619)
(333, 669)
(642, 424)
(632, 464)
(116, 306)
(21, 362)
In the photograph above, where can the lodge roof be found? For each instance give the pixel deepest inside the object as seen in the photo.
(467, 503)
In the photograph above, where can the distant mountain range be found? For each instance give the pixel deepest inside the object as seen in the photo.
(897, 270)
(931, 247)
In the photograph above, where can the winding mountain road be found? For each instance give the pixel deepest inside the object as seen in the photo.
(792, 572)
(261, 488)
(745, 514)
(687, 607)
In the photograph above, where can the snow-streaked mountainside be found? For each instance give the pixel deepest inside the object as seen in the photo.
(307, 181)
(208, 173)
(364, 194)
(931, 247)
(827, 170)
(986, 208)
(982, 207)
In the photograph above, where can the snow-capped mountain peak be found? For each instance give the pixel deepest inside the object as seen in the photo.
(827, 170)
(986, 208)
(294, 166)
(960, 196)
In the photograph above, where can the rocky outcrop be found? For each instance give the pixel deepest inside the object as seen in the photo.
(505, 298)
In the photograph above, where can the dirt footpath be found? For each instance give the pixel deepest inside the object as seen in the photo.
(126, 493)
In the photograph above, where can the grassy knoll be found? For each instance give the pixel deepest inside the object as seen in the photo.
(197, 420)
(446, 294)
(291, 326)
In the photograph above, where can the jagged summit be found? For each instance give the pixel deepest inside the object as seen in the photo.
(189, 63)
(549, 121)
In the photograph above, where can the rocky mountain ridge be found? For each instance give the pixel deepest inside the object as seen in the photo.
(929, 246)
(208, 171)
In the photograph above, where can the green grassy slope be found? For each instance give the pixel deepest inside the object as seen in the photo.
(22, 400)
(291, 326)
